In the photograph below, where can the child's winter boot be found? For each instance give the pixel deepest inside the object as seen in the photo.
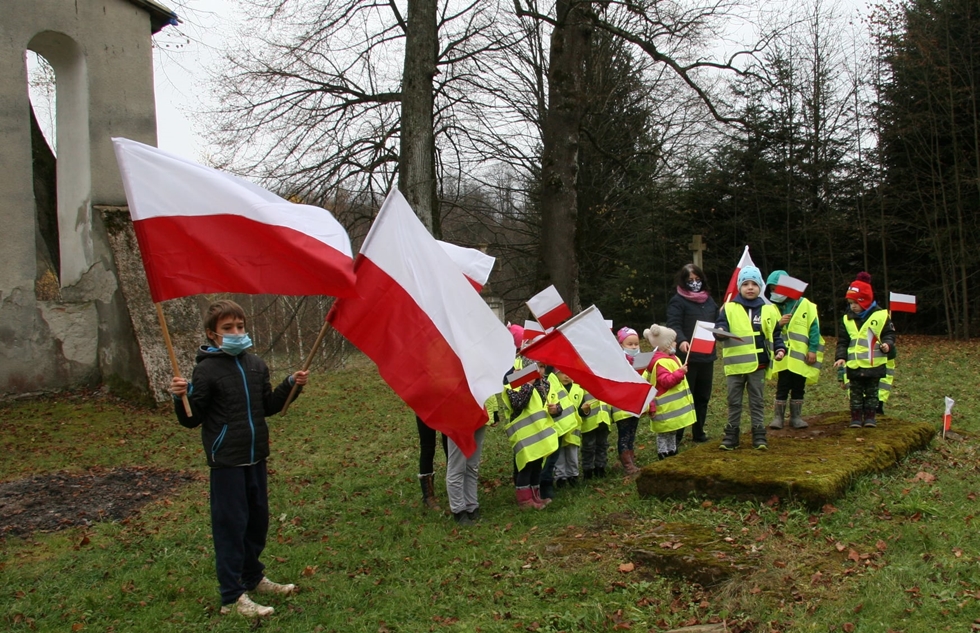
(759, 438)
(546, 490)
(730, 441)
(857, 418)
(796, 415)
(778, 415)
(626, 458)
(536, 495)
(869, 418)
(525, 499)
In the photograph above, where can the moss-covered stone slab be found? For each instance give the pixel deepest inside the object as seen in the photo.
(694, 552)
(814, 465)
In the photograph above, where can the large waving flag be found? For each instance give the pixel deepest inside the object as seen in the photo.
(201, 230)
(745, 260)
(475, 264)
(434, 339)
(584, 348)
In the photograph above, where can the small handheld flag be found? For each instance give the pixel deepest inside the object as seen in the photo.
(790, 287)
(948, 416)
(901, 303)
(532, 330)
(523, 376)
(548, 307)
(703, 342)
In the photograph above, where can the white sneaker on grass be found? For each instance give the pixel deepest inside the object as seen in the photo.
(267, 586)
(247, 608)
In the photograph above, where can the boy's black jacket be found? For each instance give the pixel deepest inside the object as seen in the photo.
(221, 404)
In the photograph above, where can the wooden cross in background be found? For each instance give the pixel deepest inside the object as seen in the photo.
(698, 247)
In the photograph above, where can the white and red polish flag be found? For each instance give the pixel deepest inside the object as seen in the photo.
(790, 287)
(744, 260)
(703, 341)
(532, 330)
(522, 376)
(948, 416)
(475, 264)
(584, 348)
(435, 341)
(548, 308)
(201, 230)
(901, 303)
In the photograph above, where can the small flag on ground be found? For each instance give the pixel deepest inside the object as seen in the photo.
(548, 307)
(703, 341)
(901, 303)
(948, 416)
(790, 287)
(745, 260)
(523, 376)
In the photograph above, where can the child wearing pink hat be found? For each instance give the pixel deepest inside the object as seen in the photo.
(626, 423)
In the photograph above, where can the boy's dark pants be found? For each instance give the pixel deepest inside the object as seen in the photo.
(239, 524)
(864, 393)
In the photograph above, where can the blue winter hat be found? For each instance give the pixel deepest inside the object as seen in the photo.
(750, 273)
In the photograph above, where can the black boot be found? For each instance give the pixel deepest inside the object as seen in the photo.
(587, 473)
(547, 490)
(600, 472)
(730, 441)
(759, 438)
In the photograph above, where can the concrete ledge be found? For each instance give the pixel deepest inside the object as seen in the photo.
(813, 466)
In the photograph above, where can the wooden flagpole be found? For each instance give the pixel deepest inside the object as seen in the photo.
(689, 348)
(306, 365)
(173, 356)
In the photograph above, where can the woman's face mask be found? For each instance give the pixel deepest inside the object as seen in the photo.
(694, 285)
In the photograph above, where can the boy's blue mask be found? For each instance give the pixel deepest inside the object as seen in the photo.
(235, 344)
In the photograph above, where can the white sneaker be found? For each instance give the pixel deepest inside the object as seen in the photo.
(247, 608)
(267, 586)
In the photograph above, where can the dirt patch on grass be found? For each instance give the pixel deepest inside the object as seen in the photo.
(65, 499)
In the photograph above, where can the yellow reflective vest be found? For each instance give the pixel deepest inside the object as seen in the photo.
(675, 407)
(577, 395)
(566, 420)
(859, 354)
(742, 356)
(599, 413)
(796, 335)
(530, 432)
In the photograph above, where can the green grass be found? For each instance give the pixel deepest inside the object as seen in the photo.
(899, 552)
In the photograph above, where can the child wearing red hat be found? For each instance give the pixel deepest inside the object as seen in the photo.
(863, 347)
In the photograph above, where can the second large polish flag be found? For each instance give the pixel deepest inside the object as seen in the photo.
(584, 348)
(434, 339)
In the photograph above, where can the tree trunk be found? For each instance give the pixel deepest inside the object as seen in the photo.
(417, 170)
(559, 161)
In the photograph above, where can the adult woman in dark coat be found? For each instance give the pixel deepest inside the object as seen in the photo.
(692, 303)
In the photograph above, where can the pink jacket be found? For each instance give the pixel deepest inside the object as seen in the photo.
(667, 380)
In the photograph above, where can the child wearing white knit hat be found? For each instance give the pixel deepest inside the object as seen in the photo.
(674, 404)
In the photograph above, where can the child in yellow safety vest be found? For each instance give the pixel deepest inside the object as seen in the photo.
(674, 405)
(566, 421)
(863, 347)
(748, 355)
(567, 466)
(596, 421)
(804, 355)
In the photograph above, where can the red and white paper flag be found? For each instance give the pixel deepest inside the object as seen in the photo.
(744, 260)
(201, 230)
(475, 264)
(790, 287)
(703, 341)
(532, 330)
(901, 303)
(435, 341)
(522, 376)
(948, 416)
(548, 308)
(584, 348)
